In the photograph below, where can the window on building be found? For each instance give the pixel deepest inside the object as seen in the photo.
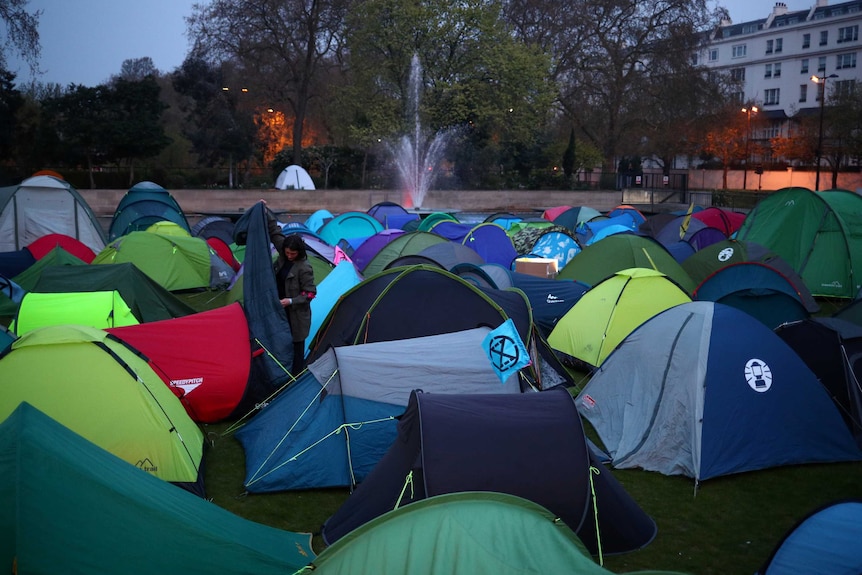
(848, 34)
(821, 64)
(824, 37)
(739, 51)
(771, 97)
(844, 88)
(768, 73)
(779, 45)
(806, 40)
(737, 97)
(843, 61)
(803, 68)
(737, 74)
(713, 54)
(769, 46)
(776, 70)
(803, 92)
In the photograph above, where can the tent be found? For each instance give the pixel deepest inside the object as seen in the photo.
(104, 390)
(712, 258)
(99, 309)
(68, 506)
(147, 300)
(27, 279)
(472, 532)
(723, 219)
(214, 227)
(824, 542)
(705, 390)
(174, 262)
(41, 247)
(449, 443)
(331, 426)
(622, 251)
(372, 245)
(145, 203)
(329, 290)
(408, 243)
(832, 349)
(449, 254)
(391, 215)
(612, 309)
(44, 205)
(490, 241)
(347, 226)
(574, 217)
(205, 358)
(818, 233)
(294, 177)
(757, 289)
(416, 301)
(550, 299)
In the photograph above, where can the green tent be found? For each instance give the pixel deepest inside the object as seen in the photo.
(818, 233)
(99, 387)
(410, 243)
(99, 309)
(604, 258)
(472, 533)
(147, 299)
(67, 506)
(174, 262)
(611, 310)
(30, 277)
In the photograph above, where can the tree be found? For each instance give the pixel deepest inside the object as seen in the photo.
(604, 58)
(569, 156)
(219, 125)
(283, 47)
(22, 33)
(137, 69)
(134, 118)
(11, 101)
(726, 141)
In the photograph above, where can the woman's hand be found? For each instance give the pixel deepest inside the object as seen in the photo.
(285, 301)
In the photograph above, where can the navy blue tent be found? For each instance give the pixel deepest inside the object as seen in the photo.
(828, 541)
(488, 240)
(530, 445)
(549, 298)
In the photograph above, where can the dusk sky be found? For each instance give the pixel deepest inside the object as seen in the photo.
(86, 41)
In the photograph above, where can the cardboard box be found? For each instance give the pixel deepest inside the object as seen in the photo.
(539, 267)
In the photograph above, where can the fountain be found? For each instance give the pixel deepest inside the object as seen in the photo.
(417, 156)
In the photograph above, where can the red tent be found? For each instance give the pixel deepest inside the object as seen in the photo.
(42, 246)
(205, 358)
(724, 220)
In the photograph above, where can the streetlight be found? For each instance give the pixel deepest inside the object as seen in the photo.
(748, 111)
(821, 80)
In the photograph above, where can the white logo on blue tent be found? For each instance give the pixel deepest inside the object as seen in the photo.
(758, 375)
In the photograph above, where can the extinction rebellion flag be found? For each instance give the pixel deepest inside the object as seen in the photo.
(506, 350)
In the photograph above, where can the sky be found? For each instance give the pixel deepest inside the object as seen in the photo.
(86, 41)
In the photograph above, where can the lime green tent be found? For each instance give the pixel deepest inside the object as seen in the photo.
(104, 390)
(100, 309)
(174, 262)
(611, 310)
(818, 233)
(470, 532)
(67, 506)
(30, 277)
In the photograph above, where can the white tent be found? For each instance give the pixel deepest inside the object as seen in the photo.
(46, 205)
(294, 177)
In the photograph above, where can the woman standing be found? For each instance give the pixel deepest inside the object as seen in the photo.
(296, 288)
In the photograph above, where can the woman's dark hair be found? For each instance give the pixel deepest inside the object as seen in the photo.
(294, 243)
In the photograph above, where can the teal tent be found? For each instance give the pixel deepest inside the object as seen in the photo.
(470, 532)
(145, 204)
(68, 506)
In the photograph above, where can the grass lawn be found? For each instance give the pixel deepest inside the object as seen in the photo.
(730, 525)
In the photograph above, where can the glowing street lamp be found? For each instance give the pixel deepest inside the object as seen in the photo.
(821, 80)
(748, 111)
